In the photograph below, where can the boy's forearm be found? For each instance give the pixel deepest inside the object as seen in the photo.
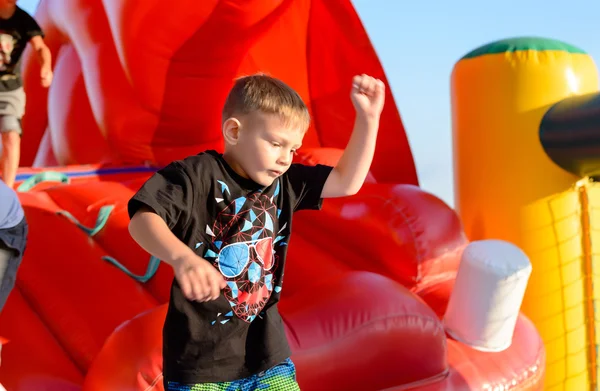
(44, 57)
(152, 234)
(349, 174)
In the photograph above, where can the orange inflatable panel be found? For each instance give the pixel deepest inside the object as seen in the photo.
(138, 84)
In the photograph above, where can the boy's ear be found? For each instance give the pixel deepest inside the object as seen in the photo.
(231, 131)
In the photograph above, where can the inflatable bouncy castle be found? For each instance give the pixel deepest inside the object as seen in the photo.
(531, 178)
(138, 84)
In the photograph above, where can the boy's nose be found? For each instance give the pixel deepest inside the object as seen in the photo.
(284, 159)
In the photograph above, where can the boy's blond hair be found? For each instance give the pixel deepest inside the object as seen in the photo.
(264, 93)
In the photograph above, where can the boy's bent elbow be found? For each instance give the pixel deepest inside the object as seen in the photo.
(136, 223)
(343, 192)
(352, 191)
(351, 188)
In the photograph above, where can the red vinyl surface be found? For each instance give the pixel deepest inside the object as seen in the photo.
(137, 85)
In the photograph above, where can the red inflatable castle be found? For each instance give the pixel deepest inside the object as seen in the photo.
(140, 83)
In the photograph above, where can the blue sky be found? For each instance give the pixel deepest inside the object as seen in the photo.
(418, 43)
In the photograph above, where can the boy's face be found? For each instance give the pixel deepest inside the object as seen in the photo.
(7, 4)
(265, 147)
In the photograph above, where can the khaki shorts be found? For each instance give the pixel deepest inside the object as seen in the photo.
(12, 109)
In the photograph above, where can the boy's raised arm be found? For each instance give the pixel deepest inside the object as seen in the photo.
(348, 176)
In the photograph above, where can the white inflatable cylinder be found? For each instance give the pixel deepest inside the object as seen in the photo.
(487, 295)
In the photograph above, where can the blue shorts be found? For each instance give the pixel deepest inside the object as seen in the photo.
(281, 377)
(12, 246)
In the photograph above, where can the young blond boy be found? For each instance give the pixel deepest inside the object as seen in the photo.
(223, 223)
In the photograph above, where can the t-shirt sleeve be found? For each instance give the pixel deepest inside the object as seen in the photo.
(32, 28)
(307, 184)
(169, 193)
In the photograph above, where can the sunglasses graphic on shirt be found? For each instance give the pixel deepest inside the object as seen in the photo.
(234, 257)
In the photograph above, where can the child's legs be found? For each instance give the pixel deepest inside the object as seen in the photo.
(11, 150)
(281, 377)
(12, 109)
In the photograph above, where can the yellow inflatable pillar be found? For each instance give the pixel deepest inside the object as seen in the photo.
(508, 188)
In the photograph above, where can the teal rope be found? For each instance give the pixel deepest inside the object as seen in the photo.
(103, 215)
(45, 176)
(150, 270)
(101, 220)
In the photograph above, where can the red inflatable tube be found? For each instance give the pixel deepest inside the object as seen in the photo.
(151, 82)
(322, 335)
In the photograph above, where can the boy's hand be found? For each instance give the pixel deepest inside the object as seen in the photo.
(368, 96)
(46, 76)
(198, 278)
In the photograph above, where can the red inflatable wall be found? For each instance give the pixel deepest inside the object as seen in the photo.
(138, 84)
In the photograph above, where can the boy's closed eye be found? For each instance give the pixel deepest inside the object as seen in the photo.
(276, 144)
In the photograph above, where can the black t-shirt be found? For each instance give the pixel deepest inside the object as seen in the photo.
(15, 33)
(244, 230)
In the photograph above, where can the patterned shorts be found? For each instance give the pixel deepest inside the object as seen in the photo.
(281, 377)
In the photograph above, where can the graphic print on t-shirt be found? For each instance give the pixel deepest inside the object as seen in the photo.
(7, 45)
(244, 237)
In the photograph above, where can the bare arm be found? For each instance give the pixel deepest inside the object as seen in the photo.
(45, 59)
(198, 279)
(151, 232)
(348, 176)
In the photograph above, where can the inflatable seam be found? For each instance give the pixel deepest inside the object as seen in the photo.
(588, 285)
(419, 259)
(430, 321)
(154, 382)
(36, 310)
(313, 113)
(533, 374)
(420, 383)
